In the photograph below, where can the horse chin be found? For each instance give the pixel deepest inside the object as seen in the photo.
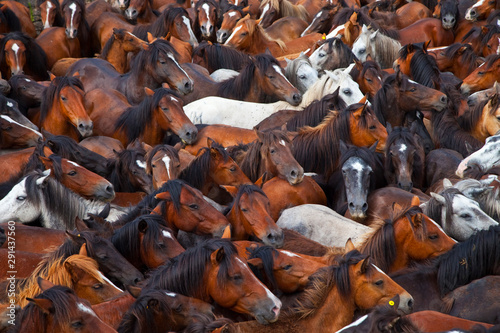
(265, 320)
(465, 88)
(295, 180)
(357, 216)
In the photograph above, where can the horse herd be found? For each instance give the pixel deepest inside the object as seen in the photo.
(250, 166)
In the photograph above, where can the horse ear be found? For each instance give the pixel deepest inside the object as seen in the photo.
(134, 291)
(353, 18)
(145, 46)
(462, 50)
(349, 246)
(217, 256)
(374, 35)
(75, 238)
(288, 61)
(233, 190)
(152, 303)
(247, 16)
(42, 181)
(46, 161)
(165, 85)
(415, 201)
(469, 148)
(426, 45)
(359, 112)
(342, 146)
(150, 38)
(44, 284)
(399, 77)
(363, 100)
(76, 74)
(105, 211)
(74, 271)
(210, 142)
(51, 76)
(359, 64)
(439, 198)
(45, 304)
(364, 265)
(409, 48)
(268, 51)
(149, 91)
(83, 250)
(258, 21)
(142, 227)
(396, 207)
(163, 196)
(447, 183)
(80, 224)
(388, 128)
(496, 85)
(373, 147)
(258, 133)
(369, 57)
(227, 233)
(255, 262)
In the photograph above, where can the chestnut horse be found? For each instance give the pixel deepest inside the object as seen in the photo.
(76, 25)
(117, 48)
(207, 14)
(483, 77)
(50, 12)
(163, 164)
(15, 135)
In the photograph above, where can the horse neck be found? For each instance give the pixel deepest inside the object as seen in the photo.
(132, 84)
(260, 43)
(55, 122)
(402, 259)
(111, 312)
(117, 57)
(238, 231)
(479, 130)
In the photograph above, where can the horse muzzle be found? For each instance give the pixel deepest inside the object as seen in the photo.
(106, 192)
(188, 134)
(269, 312)
(85, 128)
(222, 36)
(296, 176)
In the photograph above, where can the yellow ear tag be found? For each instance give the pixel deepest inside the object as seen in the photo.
(324, 36)
(391, 303)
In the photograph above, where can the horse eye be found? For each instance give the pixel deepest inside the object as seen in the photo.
(413, 89)
(72, 173)
(287, 267)
(369, 80)
(194, 206)
(302, 77)
(480, 73)
(244, 210)
(97, 286)
(21, 198)
(77, 324)
(498, 118)
(272, 151)
(347, 92)
(243, 34)
(321, 55)
(372, 127)
(270, 76)
(465, 216)
(237, 277)
(436, 236)
(489, 46)
(232, 169)
(379, 282)
(362, 51)
(179, 308)
(153, 166)
(64, 98)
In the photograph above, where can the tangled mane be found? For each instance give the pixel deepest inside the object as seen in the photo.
(217, 56)
(383, 49)
(120, 169)
(423, 67)
(254, 29)
(267, 254)
(166, 149)
(433, 208)
(467, 54)
(469, 120)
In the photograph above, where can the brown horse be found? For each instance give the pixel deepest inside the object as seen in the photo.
(66, 47)
(15, 135)
(62, 111)
(249, 215)
(50, 12)
(152, 66)
(460, 59)
(271, 10)
(158, 113)
(207, 13)
(76, 25)
(355, 283)
(407, 237)
(323, 20)
(483, 76)
(117, 48)
(369, 77)
(424, 30)
(403, 17)
(163, 164)
(59, 309)
(483, 120)
(481, 10)
(140, 11)
(229, 19)
(317, 148)
(26, 262)
(201, 272)
(16, 17)
(146, 242)
(35, 239)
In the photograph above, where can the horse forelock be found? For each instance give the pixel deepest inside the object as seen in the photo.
(380, 244)
(196, 173)
(146, 60)
(469, 57)
(267, 254)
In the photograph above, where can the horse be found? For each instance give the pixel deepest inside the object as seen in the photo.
(351, 283)
(482, 121)
(301, 73)
(270, 154)
(207, 19)
(163, 164)
(483, 192)
(62, 111)
(19, 54)
(146, 242)
(210, 109)
(369, 77)
(400, 96)
(402, 17)
(331, 55)
(127, 171)
(409, 236)
(117, 48)
(67, 48)
(249, 216)
(321, 224)
(381, 48)
(140, 12)
(460, 59)
(76, 25)
(317, 148)
(163, 311)
(30, 238)
(323, 20)
(16, 17)
(9, 107)
(404, 159)
(273, 10)
(480, 10)
(261, 81)
(213, 167)
(58, 308)
(229, 19)
(486, 157)
(27, 92)
(15, 135)
(77, 272)
(250, 37)
(214, 263)
(217, 56)
(150, 68)
(483, 76)
(447, 11)
(158, 113)
(50, 12)
(424, 30)
(358, 173)
(8, 20)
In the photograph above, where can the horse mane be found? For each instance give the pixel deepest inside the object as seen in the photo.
(292, 67)
(135, 120)
(487, 200)
(124, 159)
(218, 56)
(161, 26)
(184, 274)
(251, 162)
(127, 241)
(345, 14)
(196, 173)
(110, 42)
(140, 318)
(433, 208)
(469, 57)
(379, 243)
(54, 89)
(9, 17)
(316, 111)
(404, 134)
(36, 59)
(343, 51)
(32, 316)
(423, 66)
(385, 48)
(287, 8)
(322, 282)
(493, 29)
(57, 273)
(254, 29)
(267, 254)
(469, 260)
(167, 149)
(145, 58)
(248, 189)
(385, 99)
(490, 60)
(322, 141)
(493, 17)
(469, 119)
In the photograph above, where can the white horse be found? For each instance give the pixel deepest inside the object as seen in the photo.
(37, 196)
(384, 50)
(322, 225)
(218, 110)
(486, 158)
(223, 74)
(301, 73)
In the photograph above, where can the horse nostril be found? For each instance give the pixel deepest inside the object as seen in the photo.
(81, 126)
(187, 85)
(443, 99)
(137, 280)
(410, 303)
(351, 205)
(211, 29)
(473, 12)
(293, 173)
(364, 208)
(109, 189)
(297, 97)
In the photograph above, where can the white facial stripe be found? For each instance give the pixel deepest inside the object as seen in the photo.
(109, 282)
(402, 148)
(357, 166)
(278, 70)
(477, 4)
(27, 80)
(231, 14)
(10, 104)
(174, 99)
(264, 10)
(167, 234)
(283, 143)
(166, 160)
(15, 48)
(356, 323)
(171, 56)
(141, 164)
(49, 7)
(206, 8)
(413, 81)
(170, 294)
(378, 269)
(75, 164)
(86, 309)
(236, 2)
(335, 32)
(290, 254)
(234, 33)
(10, 120)
(188, 25)
(73, 10)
